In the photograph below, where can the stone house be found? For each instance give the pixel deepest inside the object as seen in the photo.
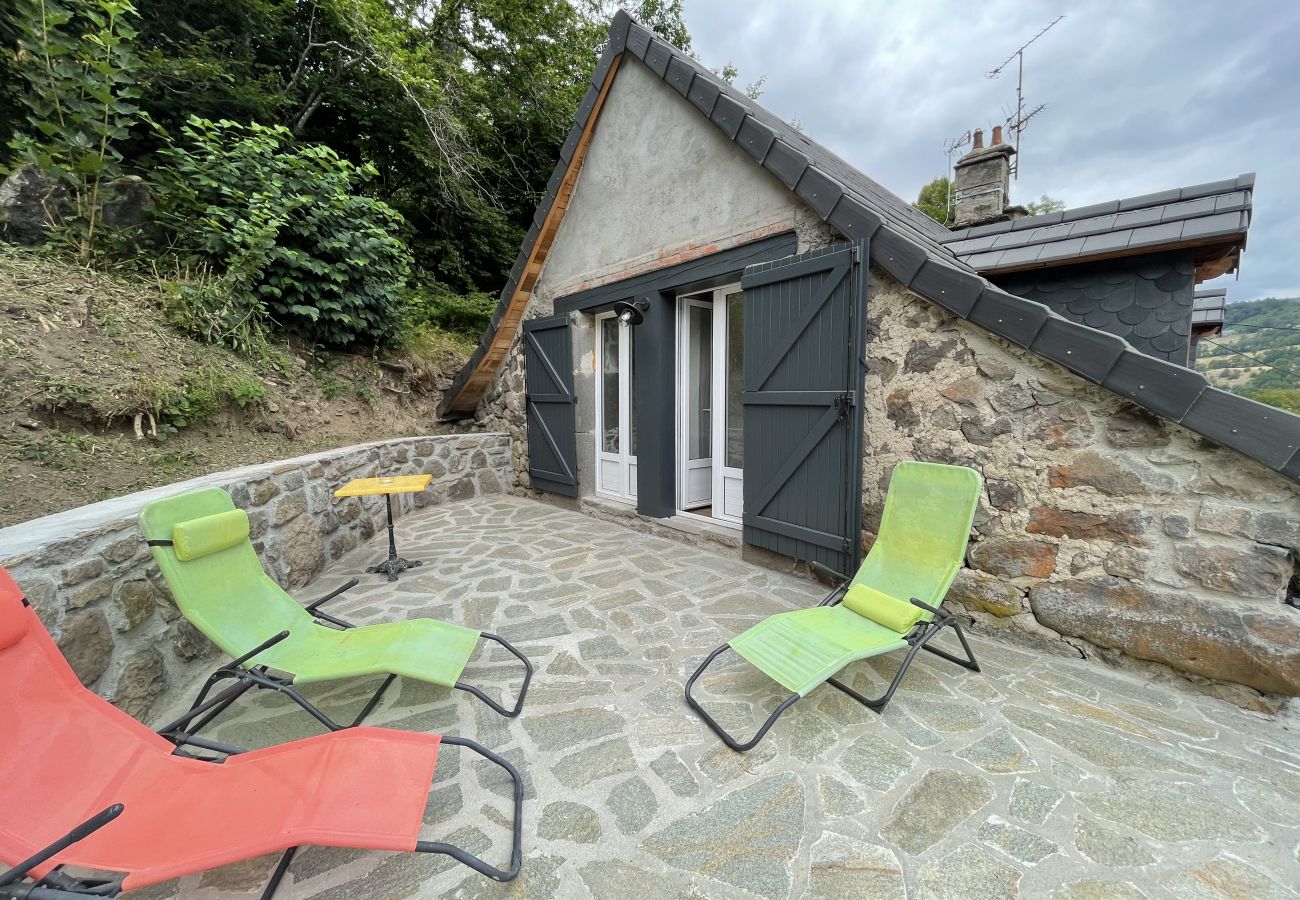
(715, 320)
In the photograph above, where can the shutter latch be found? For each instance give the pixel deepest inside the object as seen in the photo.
(843, 403)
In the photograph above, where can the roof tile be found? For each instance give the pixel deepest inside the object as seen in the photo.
(854, 219)
(1014, 318)
(1081, 349)
(892, 252)
(786, 163)
(948, 286)
(679, 76)
(1213, 226)
(1164, 388)
(1264, 432)
(1087, 212)
(755, 138)
(728, 114)
(819, 191)
(1153, 199)
(1154, 235)
(657, 57)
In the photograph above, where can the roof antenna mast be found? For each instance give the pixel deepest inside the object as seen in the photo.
(1017, 122)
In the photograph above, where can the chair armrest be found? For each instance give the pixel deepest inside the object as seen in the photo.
(940, 614)
(312, 607)
(205, 744)
(840, 581)
(828, 573)
(85, 829)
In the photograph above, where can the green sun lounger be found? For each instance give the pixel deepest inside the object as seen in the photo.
(201, 543)
(891, 604)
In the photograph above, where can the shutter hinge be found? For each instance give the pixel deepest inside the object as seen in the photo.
(843, 403)
(855, 252)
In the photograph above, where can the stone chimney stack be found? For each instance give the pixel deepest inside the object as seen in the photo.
(982, 182)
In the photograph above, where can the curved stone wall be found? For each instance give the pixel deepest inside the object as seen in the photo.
(92, 580)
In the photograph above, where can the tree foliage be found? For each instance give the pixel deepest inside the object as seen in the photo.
(934, 200)
(1044, 205)
(77, 65)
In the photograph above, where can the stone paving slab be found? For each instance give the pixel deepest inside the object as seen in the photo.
(1039, 777)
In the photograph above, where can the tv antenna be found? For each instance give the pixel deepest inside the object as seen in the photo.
(1016, 122)
(952, 147)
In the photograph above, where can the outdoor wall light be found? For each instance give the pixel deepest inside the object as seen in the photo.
(632, 312)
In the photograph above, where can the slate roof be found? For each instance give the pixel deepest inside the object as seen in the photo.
(1146, 300)
(902, 243)
(1200, 214)
(1209, 306)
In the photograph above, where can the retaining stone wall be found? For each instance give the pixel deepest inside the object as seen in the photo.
(92, 580)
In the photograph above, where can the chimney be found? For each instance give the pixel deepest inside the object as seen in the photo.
(982, 181)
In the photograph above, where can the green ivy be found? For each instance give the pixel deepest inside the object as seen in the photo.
(285, 223)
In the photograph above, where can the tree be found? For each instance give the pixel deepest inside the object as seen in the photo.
(934, 200)
(664, 18)
(1044, 205)
(461, 106)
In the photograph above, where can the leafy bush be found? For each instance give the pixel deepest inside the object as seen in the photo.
(436, 304)
(293, 239)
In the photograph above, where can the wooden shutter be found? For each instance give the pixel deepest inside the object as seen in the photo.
(552, 425)
(805, 363)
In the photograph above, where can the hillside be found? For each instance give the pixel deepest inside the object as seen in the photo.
(126, 402)
(1258, 354)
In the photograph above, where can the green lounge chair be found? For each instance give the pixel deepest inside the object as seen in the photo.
(892, 603)
(201, 543)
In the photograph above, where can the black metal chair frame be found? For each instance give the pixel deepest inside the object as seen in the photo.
(918, 638)
(262, 677)
(182, 732)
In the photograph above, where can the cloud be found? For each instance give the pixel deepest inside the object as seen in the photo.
(1141, 96)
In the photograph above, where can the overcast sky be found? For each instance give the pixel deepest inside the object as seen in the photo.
(1141, 96)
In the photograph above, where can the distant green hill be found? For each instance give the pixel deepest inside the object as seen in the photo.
(1258, 354)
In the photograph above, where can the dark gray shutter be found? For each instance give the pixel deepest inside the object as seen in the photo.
(552, 427)
(805, 361)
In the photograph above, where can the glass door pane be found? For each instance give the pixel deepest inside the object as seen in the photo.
(700, 382)
(609, 386)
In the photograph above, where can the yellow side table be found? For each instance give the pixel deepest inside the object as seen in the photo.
(397, 484)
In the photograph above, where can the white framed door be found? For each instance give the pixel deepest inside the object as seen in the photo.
(615, 420)
(710, 421)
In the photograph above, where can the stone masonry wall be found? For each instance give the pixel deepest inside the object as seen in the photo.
(92, 579)
(1103, 530)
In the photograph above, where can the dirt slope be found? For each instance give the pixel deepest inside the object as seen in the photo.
(72, 395)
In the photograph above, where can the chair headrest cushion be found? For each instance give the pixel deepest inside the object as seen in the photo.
(894, 614)
(14, 616)
(200, 537)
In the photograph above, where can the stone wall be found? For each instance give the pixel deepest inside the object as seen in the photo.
(1103, 531)
(92, 579)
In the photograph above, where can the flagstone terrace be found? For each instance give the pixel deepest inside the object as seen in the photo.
(1039, 777)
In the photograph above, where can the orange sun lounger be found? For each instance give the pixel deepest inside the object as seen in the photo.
(148, 811)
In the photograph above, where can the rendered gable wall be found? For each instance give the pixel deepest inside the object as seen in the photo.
(651, 193)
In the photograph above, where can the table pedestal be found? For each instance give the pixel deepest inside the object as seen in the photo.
(394, 563)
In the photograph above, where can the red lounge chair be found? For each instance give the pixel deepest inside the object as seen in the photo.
(150, 810)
